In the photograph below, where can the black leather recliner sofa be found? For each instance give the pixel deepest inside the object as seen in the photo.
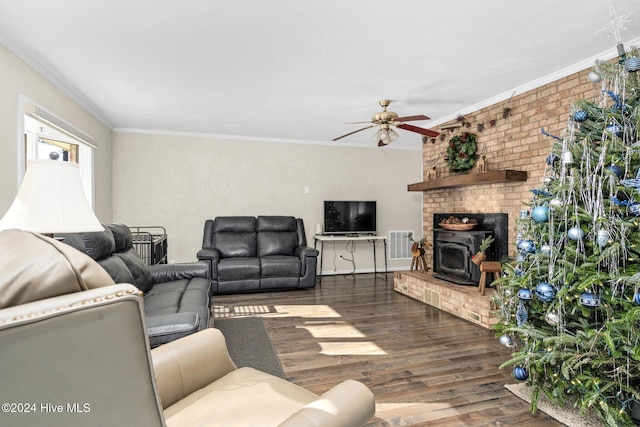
(249, 254)
(176, 296)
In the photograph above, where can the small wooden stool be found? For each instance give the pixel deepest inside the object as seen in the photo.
(488, 267)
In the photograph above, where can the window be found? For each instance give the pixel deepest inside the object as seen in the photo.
(48, 137)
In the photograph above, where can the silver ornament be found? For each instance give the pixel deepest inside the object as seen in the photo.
(602, 238)
(575, 233)
(552, 318)
(505, 340)
(589, 299)
(521, 314)
(567, 157)
(555, 203)
(594, 77)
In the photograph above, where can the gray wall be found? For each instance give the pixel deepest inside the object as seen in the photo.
(179, 181)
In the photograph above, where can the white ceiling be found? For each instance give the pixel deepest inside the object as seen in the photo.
(297, 70)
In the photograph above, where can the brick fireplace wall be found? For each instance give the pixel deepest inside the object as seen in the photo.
(515, 142)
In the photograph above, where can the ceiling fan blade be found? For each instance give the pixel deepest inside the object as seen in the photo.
(412, 118)
(416, 129)
(351, 133)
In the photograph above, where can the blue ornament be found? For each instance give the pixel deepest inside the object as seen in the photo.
(636, 298)
(621, 202)
(614, 130)
(617, 101)
(546, 249)
(538, 192)
(540, 214)
(632, 64)
(525, 294)
(527, 246)
(575, 233)
(580, 116)
(551, 159)
(616, 170)
(633, 182)
(587, 299)
(545, 292)
(520, 373)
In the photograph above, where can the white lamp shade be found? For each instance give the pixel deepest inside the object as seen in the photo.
(51, 199)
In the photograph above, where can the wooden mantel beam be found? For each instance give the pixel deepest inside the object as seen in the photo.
(490, 177)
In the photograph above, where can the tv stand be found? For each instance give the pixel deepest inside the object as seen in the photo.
(351, 238)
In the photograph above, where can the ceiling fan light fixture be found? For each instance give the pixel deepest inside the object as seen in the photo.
(384, 136)
(379, 135)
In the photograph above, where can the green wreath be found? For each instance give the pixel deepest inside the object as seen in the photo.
(462, 152)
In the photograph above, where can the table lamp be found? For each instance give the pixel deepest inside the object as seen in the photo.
(51, 200)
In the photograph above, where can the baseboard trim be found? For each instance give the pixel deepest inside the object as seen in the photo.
(362, 271)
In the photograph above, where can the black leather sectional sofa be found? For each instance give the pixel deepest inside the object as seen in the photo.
(176, 296)
(251, 254)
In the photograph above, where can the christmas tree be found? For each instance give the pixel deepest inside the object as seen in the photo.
(570, 302)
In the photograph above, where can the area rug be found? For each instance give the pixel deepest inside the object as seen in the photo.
(249, 344)
(566, 415)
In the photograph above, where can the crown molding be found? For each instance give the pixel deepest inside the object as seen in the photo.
(534, 84)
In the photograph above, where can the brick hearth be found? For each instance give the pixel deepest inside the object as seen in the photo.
(461, 301)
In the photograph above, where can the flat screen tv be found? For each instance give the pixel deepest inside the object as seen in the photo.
(349, 217)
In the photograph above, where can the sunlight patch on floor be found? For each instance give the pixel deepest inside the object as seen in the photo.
(307, 311)
(325, 329)
(354, 348)
(335, 329)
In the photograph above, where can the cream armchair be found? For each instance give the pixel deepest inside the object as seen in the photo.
(83, 358)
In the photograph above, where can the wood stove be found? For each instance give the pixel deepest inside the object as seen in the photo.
(452, 250)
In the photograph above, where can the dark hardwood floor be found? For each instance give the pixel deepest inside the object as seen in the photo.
(425, 366)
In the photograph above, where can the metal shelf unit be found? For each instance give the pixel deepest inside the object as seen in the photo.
(151, 243)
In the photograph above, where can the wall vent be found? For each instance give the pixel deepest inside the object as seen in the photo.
(399, 245)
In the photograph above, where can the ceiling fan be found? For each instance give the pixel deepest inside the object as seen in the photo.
(385, 119)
